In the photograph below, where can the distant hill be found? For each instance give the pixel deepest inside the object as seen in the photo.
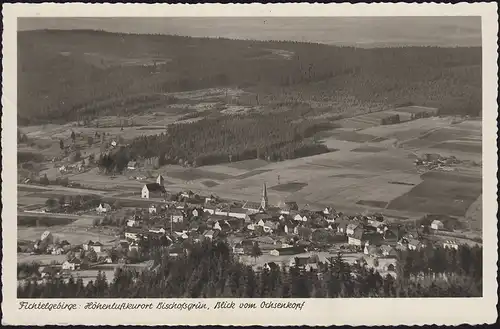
(83, 74)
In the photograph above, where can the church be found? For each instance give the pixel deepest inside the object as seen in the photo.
(154, 190)
(253, 207)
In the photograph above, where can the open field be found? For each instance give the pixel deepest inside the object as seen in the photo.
(445, 195)
(365, 175)
(288, 187)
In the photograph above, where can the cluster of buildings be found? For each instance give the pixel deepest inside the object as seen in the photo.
(210, 220)
(437, 162)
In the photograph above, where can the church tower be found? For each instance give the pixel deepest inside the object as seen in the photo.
(160, 180)
(264, 201)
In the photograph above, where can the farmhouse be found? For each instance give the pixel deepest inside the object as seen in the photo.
(269, 226)
(187, 194)
(211, 234)
(356, 236)
(97, 246)
(289, 206)
(289, 227)
(159, 230)
(342, 225)
(152, 209)
(103, 207)
(437, 225)
(72, 265)
(451, 244)
(222, 225)
(253, 207)
(238, 249)
(414, 244)
(287, 251)
(271, 266)
(133, 222)
(88, 245)
(131, 165)
(152, 190)
(133, 234)
(177, 216)
(209, 209)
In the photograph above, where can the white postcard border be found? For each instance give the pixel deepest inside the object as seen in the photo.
(440, 311)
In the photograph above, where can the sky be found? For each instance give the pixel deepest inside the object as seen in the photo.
(449, 31)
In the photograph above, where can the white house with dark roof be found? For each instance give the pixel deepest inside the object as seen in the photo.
(155, 189)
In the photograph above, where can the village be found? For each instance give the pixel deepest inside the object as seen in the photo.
(261, 235)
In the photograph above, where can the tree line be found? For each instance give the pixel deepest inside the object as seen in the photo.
(211, 270)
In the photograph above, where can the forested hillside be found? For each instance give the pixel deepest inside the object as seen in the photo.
(210, 270)
(77, 75)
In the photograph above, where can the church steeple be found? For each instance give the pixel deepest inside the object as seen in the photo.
(160, 180)
(264, 201)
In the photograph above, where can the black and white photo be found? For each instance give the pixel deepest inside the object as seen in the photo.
(261, 157)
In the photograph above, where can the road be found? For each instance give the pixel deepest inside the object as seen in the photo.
(53, 188)
(56, 215)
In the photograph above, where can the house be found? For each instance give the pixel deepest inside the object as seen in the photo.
(260, 217)
(195, 212)
(237, 213)
(289, 227)
(182, 235)
(342, 225)
(134, 246)
(451, 244)
(270, 226)
(351, 227)
(287, 251)
(72, 265)
(329, 211)
(48, 272)
(187, 194)
(57, 251)
(133, 222)
(265, 240)
(154, 190)
(152, 209)
(251, 227)
(176, 251)
(222, 225)
(131, 165)
(253, 207)
(414, 244)
(158, 229)
(133, 234)
(123, 245)
(88, 245)
(177, 216)
(372, 251)
(209, 209)
(103, 208)
(271, 266)
(211, 234)
(238, 249)
(301, 217)
(380, 227)
(437, 225)
(388, 251)
(356, 237)
(97, 246)
(210, 199)
(289, 206)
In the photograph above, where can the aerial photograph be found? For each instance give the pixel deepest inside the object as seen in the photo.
(249, 157)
